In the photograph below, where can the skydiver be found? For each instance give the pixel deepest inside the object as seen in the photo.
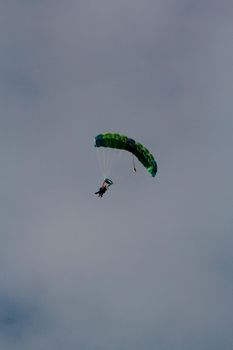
(101, 191)
(104, 186)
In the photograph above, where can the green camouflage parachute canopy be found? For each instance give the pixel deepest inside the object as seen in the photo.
(115, 140)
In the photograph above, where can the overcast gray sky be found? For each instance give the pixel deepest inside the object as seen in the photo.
(150, 266)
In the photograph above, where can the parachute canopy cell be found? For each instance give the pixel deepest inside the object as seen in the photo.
(115, 140)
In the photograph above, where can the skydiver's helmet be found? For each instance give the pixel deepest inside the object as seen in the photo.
(108, 181)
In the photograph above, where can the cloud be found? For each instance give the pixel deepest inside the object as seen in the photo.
(150, 265)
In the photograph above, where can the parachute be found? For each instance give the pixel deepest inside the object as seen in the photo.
(122, 142)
